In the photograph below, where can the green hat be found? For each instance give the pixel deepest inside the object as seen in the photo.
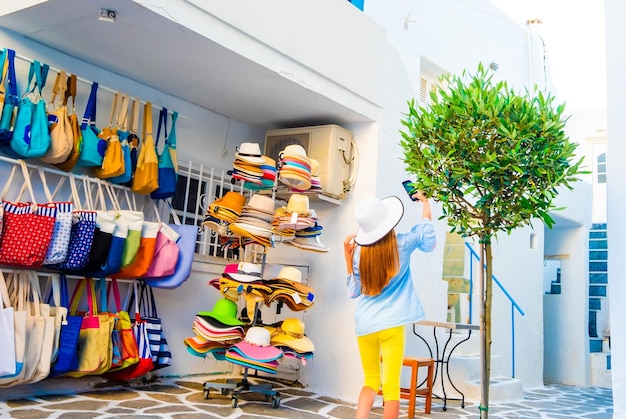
(224, 311)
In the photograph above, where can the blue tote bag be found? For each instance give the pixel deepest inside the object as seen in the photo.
(31, 136)
(11, 99)
(67, 355)
(92, 148)
(168, 176)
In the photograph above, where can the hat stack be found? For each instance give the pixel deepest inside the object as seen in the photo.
(287, 287)
(247, 165)
(295, 216)
(290, 338)
(215, 330)
(255, 351)
(316, 185)
(295, 167)
(255, 221)
(224, 211)
(308, 236)
(269, 173)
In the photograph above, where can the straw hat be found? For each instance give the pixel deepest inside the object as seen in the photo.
(291, 334)
(298, 203)
(376, 218)
(249, 152)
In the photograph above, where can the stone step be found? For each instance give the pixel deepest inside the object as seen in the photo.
(501, 390)
(600, 364)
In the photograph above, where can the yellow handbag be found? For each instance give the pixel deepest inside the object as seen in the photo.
(113, 160)
(146, 177)
(95, 349)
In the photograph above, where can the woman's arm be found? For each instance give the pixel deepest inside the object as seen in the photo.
(426, 213)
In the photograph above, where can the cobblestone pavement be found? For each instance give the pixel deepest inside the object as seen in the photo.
(184, 398)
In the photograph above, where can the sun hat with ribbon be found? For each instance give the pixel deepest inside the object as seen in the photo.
(376, 218)
(256, 345)
(249, 152)
(224, 311)
(291, 333)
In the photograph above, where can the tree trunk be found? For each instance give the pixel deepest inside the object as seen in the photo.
(485, 327)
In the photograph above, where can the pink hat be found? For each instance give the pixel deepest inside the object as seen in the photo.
(256, 345)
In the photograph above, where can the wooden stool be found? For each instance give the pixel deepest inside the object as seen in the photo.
(412, 392)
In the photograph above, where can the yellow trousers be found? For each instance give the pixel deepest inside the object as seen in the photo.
(389, 344)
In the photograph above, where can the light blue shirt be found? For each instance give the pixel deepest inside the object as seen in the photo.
(398, 303)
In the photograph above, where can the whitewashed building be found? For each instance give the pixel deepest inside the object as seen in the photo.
(235, 69)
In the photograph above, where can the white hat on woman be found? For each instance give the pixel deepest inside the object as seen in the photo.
(376, 218)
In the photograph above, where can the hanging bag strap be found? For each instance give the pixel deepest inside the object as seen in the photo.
(113, 113)
(90, 109)
(12, 97)
(70, 91)
(3, 71)
(147, 121)
(133, 124)
(162, 121)
(122, 114)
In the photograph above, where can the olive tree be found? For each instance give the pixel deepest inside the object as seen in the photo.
(494, 160)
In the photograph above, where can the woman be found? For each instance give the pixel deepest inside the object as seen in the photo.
(377, 263)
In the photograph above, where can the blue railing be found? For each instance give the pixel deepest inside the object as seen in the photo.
(514, 305)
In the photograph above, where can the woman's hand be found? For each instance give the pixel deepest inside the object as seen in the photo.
(419, 196)
(348, 249)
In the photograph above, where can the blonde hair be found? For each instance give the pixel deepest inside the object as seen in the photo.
(378, 263)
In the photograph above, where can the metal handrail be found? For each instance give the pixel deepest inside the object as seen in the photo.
(514, 305)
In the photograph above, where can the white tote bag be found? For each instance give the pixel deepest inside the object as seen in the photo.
(7, 331)
(42, 367)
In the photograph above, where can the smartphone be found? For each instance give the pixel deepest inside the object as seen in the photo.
(410, 190)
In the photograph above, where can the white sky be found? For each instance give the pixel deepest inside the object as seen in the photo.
(573, 31)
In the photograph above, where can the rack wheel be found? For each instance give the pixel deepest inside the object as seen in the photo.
(275, 402)
(224, 391)
(234, 402)
(206, 393)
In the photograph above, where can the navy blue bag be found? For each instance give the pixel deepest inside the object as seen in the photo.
(167, 159)
(67, 356)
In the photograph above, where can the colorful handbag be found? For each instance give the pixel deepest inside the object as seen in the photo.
(125, 337)
(146, 178)
(187, 248)
(92, 148)
(81, 234)
(60, 126)
(166, 252)
(57, 250)
(27, 229)
(31, 137)
(67, 355)
(161, 355)
(77, 135)
(123, 133)
(140, 331)
(11, 99)
(113, 160)
(95, 351)
(168, 176)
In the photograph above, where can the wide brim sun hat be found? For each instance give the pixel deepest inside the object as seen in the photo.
(224, 311)
(376, 218)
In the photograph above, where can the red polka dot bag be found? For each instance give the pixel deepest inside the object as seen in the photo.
(26, 229)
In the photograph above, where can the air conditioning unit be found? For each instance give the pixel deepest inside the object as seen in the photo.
(330, 145)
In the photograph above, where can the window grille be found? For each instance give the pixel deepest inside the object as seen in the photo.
(601, 168)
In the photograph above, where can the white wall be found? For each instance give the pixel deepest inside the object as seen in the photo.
(449, 35)
(616, 79)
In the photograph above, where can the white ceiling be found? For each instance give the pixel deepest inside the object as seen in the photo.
(144, 46)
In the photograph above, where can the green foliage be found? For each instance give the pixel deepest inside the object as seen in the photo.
(493, 158)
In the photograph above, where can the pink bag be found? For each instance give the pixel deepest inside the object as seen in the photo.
(166, 252)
